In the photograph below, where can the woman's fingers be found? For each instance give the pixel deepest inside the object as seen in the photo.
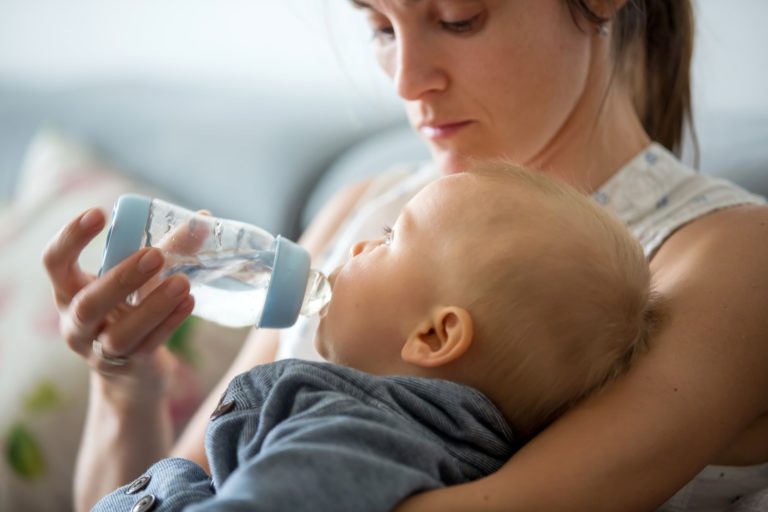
(96, 307)
(131, 332)
(150, 349)
(163, 331)
(89, 309)
(187, 238)
(183, 240)
(63, 250)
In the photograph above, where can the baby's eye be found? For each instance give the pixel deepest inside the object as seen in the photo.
(389, 234)
(383, 33)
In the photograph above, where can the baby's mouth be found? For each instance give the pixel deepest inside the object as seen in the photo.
(324, 310)
(332, 277)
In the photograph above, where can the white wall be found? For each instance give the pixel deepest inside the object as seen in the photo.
(287, 42)
(731, 59)
(298, 43)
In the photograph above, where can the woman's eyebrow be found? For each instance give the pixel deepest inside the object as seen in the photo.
(360, 4)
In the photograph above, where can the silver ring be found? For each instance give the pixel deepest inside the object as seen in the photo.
(98, 349)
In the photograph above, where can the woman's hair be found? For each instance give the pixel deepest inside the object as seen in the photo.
(652, 48)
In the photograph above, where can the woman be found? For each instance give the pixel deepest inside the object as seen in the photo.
(577, 89)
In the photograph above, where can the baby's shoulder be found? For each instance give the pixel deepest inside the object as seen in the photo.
(304, 383)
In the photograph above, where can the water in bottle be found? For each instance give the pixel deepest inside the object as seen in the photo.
(239, 274)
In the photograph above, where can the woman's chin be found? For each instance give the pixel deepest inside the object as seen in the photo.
(449, 162)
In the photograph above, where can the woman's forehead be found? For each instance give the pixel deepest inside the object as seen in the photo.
(373, 3)
(380, 4)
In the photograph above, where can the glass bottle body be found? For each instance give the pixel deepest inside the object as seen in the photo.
(230, 264)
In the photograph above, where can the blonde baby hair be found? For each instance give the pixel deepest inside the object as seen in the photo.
(560, 294)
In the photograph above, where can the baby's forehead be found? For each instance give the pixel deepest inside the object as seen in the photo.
(459, 210)
(441, 202)
(462, 189)
(476, 197)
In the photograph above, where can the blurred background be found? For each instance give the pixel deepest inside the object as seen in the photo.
(253, 109)
(252, 68)
(291, 43)
(296, 44)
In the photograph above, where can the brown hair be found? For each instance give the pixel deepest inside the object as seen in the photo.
(653, 47)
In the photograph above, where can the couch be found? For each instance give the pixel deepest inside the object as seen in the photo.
(268, 157)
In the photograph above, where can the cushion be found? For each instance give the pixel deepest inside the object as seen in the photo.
(44, 386)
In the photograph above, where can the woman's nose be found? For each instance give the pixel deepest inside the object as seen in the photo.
(417, 70)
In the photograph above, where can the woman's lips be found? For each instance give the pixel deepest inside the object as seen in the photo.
(442, 131)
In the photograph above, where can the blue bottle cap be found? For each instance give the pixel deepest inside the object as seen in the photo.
(129, 222)
(287, 287)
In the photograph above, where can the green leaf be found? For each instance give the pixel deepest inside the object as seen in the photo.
(44, 396)
(180, 341)
(23, 453)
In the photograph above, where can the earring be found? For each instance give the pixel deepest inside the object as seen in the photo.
(602, 29)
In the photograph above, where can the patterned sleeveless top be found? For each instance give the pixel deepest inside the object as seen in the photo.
(654, 195)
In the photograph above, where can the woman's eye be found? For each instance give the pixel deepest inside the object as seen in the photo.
(385, 33)
(462, 26)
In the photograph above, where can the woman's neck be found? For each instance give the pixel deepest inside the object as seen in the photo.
(602, 134)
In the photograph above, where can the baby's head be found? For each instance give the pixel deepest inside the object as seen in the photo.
(502, 279)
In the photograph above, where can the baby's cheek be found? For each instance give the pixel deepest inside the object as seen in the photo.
(327, 336)
(319, 343)
(334, 323)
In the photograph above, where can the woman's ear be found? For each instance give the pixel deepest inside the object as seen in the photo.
(439, 340)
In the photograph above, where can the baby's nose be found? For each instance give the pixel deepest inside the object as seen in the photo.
(357, 248)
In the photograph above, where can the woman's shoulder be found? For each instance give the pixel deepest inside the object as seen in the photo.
(332, 215)
(400, 179)
(740, 232)
(388, 190)
(655, 195)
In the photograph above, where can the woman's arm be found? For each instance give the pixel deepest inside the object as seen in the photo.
(127, 425)
(93, 307)
(261, 345)
(703, 382)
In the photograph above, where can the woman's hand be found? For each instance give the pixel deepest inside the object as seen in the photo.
(94, 308)
(128, 417)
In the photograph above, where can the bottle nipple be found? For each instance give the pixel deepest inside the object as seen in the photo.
(317, 296)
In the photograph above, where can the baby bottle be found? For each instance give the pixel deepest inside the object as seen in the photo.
(239, 274)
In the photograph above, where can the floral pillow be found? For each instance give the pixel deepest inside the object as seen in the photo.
(43, 386)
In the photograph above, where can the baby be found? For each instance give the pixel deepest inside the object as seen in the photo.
(498, 299)
(503, 280)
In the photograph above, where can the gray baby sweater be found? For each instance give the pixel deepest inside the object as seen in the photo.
(304, 436)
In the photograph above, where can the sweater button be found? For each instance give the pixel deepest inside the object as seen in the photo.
(145, 504)
(139, 484)
(223, 408)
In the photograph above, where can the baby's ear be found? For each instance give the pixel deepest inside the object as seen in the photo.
(439, 340)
